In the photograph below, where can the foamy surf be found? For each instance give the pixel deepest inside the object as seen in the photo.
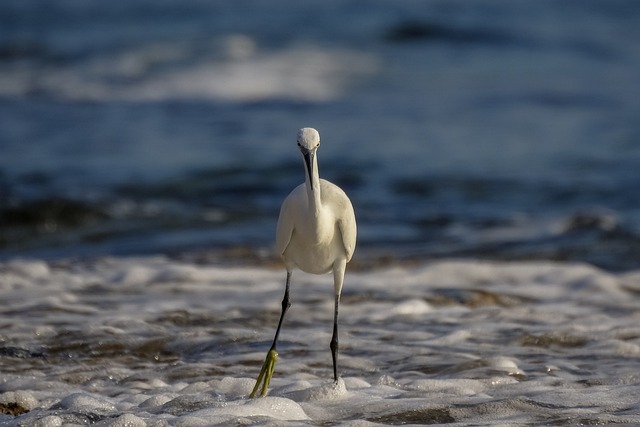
(158, 342)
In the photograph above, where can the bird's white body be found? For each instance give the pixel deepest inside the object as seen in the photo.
(315, 236)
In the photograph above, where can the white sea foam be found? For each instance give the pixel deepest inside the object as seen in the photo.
(153, 341)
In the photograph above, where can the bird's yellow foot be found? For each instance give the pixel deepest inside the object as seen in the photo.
(266, 373)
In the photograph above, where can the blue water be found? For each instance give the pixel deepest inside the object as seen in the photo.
(482, 129)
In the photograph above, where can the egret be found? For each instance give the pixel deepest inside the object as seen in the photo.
(316, 233)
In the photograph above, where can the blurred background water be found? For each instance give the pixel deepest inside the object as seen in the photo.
(483, 129)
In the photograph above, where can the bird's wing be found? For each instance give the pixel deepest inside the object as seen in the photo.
(345, 216)
(348, 229)
(284, 229)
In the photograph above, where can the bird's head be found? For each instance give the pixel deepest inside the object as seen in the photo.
(308, 139)
(308, 142)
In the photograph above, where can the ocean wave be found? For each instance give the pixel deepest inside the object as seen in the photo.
(233, 69)
(223, 209)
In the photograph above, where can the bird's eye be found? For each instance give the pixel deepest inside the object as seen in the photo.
(299, 145)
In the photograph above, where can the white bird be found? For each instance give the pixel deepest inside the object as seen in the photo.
(316, 233)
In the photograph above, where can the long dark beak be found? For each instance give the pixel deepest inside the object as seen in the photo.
(308, 161)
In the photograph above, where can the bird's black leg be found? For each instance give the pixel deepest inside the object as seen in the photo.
(269, 365)
(334, 340)
(286, 303)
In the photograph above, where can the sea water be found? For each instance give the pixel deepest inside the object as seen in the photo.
(501, 130)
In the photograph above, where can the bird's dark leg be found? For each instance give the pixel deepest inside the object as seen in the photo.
(334, 340)
(286, 303)
(338, 279)
(269, 364)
